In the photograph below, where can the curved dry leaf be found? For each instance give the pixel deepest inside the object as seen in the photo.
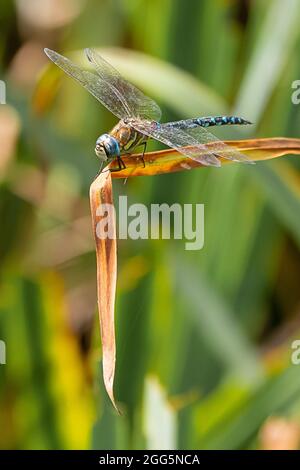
(169, 161)
(106, 255)
(164, 161)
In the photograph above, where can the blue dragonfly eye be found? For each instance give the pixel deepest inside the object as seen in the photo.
(107, 147)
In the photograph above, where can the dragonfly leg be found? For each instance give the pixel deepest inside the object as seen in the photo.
(121, 164)
(129, 154)
(144, 150)
(144, 144)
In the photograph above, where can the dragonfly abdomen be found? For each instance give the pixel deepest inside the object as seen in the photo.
(208, 122)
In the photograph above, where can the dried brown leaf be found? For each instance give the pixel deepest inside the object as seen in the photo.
(169, 161)
(165, 161)
(106, 255)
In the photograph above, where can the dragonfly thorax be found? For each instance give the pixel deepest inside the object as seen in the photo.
(107, 147)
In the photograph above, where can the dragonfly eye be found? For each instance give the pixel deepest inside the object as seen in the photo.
(100, 152)
(107, 147)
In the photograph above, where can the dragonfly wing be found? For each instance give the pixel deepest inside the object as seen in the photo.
(200, 134)
(103, 91)
(203, 146)
(138, 104)
(178, 140)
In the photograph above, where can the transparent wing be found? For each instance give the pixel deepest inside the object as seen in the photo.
(202, 146)
(137, 104)
(98, 87)
(217, 146)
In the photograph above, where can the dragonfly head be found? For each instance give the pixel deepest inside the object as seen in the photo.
(107, 147)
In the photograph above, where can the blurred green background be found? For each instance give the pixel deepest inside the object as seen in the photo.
(203, 338)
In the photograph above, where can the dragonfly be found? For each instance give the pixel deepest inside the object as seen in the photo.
(139, 118)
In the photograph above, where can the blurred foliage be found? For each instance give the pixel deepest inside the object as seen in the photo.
(203, 338)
